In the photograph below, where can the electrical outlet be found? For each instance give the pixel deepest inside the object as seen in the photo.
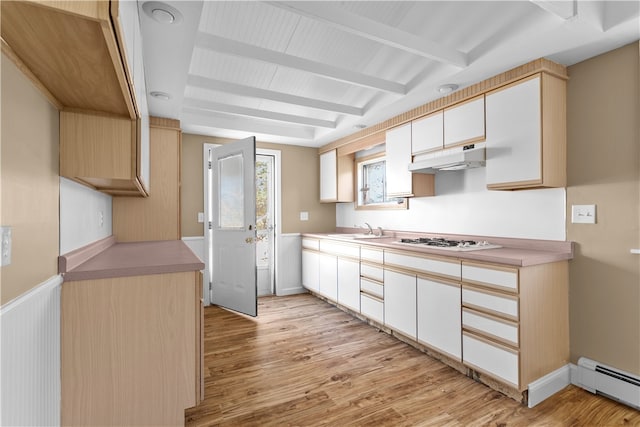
(5, 232)
(583, 214)
(101, 219)
(304, 216)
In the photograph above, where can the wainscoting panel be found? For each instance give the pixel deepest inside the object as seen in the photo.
(30, 357)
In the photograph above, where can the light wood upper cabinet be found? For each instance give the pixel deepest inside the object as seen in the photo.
(102, 152)
(87, 59)
(71, 48)
(401, 182)
(336, 177)
(427, 133)
(526, 134)
(464, 122)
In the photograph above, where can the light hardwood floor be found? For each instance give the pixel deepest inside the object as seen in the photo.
(303, 362)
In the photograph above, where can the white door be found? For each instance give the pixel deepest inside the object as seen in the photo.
(232, 226)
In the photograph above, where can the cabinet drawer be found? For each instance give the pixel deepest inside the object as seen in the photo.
(423, 264)
(336, 248)
(492, 326)
(491, 301)
(372, 308)
(372, 272)
(311, 244)
(374, 255)
(490, 358)
(372, 288)
(503, 278)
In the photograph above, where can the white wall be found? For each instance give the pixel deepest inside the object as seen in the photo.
(85, 215)
(463, 205)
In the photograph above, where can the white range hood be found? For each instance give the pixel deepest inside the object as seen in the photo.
(457, 158)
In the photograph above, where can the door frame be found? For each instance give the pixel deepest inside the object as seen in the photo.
(277, 183)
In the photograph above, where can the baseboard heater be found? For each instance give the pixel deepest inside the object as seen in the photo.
(607, 381)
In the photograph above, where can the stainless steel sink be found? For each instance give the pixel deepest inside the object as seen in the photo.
(355, 236)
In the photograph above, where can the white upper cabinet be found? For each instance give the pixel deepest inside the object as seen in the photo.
(464, 122)
(336, 177)
(398, 153)
(427, 133)
(526, 134)
(328, 176)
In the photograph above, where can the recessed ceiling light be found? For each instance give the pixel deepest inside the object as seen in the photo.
(162, 12)
(360, 126)
(160, 95)
(448, 88)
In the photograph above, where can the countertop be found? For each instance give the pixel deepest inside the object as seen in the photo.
(514, 252)
(107, 258)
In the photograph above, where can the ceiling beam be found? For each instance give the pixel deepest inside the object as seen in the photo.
(254, 112)
(563, 9)
(235, 48)
(194, 116)
(253, 92)
(376, 31)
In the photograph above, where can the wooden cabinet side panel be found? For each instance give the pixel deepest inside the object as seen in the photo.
(346, 175)
(128, 350)
(544, 320)
(95, 146)
(156, 217)
(554, 131)
(328, 176)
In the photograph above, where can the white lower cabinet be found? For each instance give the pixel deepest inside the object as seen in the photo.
(400, 302)
(499, 361)
(328, 285)
(349, 283)
(311, 270)
(439, 323)
(372, 307)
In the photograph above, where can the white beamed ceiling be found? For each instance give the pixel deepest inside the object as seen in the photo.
(306, 73)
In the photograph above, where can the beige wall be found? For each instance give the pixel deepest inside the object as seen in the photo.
(604, 169)
(30, 183)
(300, 187)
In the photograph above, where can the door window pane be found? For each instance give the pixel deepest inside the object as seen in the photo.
(231, 192)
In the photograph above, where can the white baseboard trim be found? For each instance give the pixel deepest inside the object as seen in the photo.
(291, 291)
(549, 385)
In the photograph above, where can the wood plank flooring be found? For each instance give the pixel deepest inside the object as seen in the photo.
(303, 362)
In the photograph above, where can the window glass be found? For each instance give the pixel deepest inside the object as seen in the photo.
(371, 185)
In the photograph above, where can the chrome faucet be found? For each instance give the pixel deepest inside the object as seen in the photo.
(370, 229)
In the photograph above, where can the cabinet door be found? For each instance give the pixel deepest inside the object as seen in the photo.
(464, 123)
(427, 134)
(514, 134)
(439, 311)
(328, 276)
(328, 176)
(311, 270)
(349, 283)
(400, 302)
(398, 157)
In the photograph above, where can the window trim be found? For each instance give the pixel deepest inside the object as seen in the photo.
(359, 161)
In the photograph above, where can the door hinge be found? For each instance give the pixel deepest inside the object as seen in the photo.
(210, 286)
(210, 226)
(210, 165)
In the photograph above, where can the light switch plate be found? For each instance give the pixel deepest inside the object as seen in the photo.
(5, 232)
(200, 217)
(583, 214)
(304, 216)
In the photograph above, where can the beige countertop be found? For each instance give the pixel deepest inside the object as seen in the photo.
(514, 252)
(107, 258)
